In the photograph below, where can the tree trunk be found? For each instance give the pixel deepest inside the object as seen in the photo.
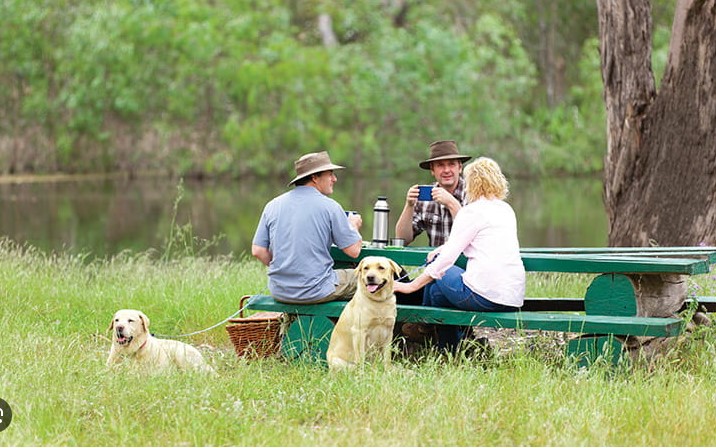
(659, 185)
(325, 26)
(551, 62)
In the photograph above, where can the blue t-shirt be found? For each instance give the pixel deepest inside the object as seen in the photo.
(299, 228)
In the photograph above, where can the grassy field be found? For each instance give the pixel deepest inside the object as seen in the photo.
(56, 309)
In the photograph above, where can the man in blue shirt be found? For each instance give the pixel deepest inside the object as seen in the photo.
(295, 234)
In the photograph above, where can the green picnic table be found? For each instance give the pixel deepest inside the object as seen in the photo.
(635, 292)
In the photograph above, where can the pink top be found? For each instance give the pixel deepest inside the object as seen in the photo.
(486, 232)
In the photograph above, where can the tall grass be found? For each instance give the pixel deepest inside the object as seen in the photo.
(56, 309)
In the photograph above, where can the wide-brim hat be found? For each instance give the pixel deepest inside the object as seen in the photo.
(443, 150)
(313, 163)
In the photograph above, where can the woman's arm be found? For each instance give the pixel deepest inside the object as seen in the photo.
(406, 288)
(464, 231)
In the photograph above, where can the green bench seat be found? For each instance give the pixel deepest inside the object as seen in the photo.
(309, 333)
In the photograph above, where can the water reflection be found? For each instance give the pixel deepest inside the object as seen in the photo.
(104, 217)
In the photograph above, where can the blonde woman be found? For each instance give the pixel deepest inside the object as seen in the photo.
(485, 230)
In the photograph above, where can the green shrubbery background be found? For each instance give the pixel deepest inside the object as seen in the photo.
(230, 87)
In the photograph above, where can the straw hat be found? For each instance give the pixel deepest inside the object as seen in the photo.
(313, 163)
(443, 150)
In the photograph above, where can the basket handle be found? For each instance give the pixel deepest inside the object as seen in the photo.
(241, 304)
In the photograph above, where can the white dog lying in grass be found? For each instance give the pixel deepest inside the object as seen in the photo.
(131, 339)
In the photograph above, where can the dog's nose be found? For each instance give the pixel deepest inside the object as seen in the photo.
(370, 278)
(119, 328)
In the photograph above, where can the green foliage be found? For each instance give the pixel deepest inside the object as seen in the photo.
(428, 83)
(575, 132)
(235, 87)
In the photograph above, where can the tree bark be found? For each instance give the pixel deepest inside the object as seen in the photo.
(659, 185)
(551, 61)
(325, 26)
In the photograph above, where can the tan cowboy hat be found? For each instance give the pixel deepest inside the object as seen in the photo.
(443, 150)
(313, 163)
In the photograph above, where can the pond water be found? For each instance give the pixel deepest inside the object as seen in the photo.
(104, 217)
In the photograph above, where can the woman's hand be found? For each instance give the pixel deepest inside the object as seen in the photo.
(406, 288)
(403, 288)
(433, 253)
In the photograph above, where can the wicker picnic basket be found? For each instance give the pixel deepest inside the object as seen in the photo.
(256, 336)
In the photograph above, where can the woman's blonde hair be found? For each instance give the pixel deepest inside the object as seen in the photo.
(483, 178)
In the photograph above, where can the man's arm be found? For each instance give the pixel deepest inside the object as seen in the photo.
(404, 226)
(262, 253)
(444, 197)
(354, 249)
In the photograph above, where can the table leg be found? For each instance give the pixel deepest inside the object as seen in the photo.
(307, 339)
(611, 295)
(588, 348)
(653, 295)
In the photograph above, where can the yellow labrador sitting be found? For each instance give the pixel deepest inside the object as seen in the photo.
(365, 327)
(131, 339)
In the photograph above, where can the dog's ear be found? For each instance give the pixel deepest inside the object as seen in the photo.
(145, 321)
(395, 267)
(360, 266)
(111, 324)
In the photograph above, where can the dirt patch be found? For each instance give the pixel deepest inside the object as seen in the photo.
(506, 340)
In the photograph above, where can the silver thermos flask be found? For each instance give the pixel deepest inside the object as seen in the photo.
(380, 222)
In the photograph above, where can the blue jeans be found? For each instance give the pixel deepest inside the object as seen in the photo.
(451, 292)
